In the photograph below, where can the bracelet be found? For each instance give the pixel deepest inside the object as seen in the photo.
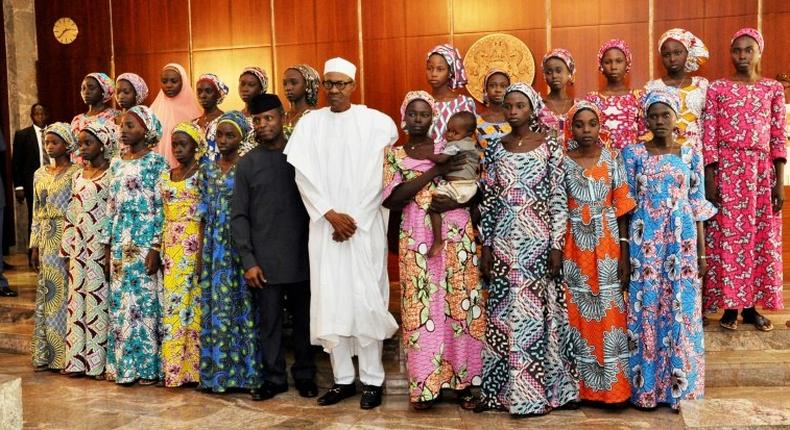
(702, 257)
(624, 239)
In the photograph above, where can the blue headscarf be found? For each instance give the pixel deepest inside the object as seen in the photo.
(238, 120)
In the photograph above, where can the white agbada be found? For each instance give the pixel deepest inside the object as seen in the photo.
(339, 162)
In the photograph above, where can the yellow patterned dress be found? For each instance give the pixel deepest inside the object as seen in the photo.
(181, 239)
(51, 195)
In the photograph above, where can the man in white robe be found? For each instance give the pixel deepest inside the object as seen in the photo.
(338, 155)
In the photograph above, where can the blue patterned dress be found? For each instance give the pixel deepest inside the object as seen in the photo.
(134, 214)
(667, 357)
(527, 360)
(227, 335)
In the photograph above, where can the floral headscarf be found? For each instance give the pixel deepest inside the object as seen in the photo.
(238, 120)
(107, 85)
(153, 128)
(260, 74)
(534, 98)
(106, 132)
(565, 56)
(140, 88)
(192, 130)
(312, 82)
(457, 77)
(615, 44)
(751, 32)
(220, 86)
(417, 95)
(697, 52)
(661, 95)
(603, 135)
(63, 131)
(487, 76)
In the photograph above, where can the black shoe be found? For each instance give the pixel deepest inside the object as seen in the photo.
(268, 390)
(307, 388)
(371, 397)
(337, 393)
(7, 292)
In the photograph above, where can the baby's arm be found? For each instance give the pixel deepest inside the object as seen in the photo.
(439, 158)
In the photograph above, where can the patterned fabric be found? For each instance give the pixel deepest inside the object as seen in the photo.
(259, 74)
(80, 121)
(527, 359)
(134, 214)
(697, 52)
(86, 337)
(153, 128)
(193, 131)
(106, 84)
(181, 241)
(615, 44)
(623, 118)
(487, 132)
(210, 133)
(555, 121)
(417, 95)
(137, 82)
(63, 131)
(442, 302)
(444, 110)
(692, 103)
(107, 134)
(565, 56)
(744, 134)
(311, 82)
(215, 81)
(51, 195)
(597, 196)
(228, 340)
(751, 32)
(661, 95)
(457, 75)
(667, 350)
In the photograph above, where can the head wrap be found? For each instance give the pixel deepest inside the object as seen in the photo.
(697, 52)
(220, 86)
(340, 65)
(418, 95)
(106, 84)
(534, 98)
(667, 96)
(751, 32)
(106, 133)
(63, 131)
(153, 128)
(603, 134)
(457, 75)
(311, 82)
(615, 44)
(264, 102)
(260, 74)
(238, 120)
(487, 76)
(140, 88)
(565, 56)
(192, 130)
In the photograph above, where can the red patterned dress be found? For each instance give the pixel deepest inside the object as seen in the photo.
(623, 116)
(446, 110)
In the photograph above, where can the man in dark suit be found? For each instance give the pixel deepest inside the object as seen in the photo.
(28, 156)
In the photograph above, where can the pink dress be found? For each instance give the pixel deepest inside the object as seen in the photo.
(82, 120)
(744, 134)
(442, 301)
(446, 110)
(623, 116)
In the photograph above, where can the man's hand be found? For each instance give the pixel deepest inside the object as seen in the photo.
(255, 277)
(344, 225)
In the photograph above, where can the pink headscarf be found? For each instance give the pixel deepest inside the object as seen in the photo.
(615, 44)
(563, 55)
(171, 111)
(751, 32)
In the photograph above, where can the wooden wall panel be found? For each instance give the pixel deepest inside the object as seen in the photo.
(220, 24)
(477, 16)
(776, 58)
(145, 26)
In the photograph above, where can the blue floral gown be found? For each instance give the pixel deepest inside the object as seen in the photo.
(135, 217)
(667, 357)
(227, 335)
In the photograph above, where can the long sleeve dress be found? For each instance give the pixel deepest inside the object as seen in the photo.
(744, 134)
(51, 195)
(667, 351)
(528, 366)
(88, 321)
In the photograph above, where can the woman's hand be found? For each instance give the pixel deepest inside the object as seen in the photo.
(777, 197)
(107, 259)
(711, 187)
(152, 262)
(486, 262)
(624, 266)
(456, 162)
(555, 263)
(34, 259)
(702, 266)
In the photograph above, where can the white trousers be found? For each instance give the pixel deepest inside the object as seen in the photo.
(371, 368)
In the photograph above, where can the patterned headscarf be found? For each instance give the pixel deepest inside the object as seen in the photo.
(603, 134)
(697, 52)
(220, 86)
(140, 88)
(534, 98)
(487, 76)
(106, 84)
(311, 82)
(153, 128)
(457, 76)
(238, 120)
(615, 44)
(565, 56)
(751, 32)
(661, 95)
(192, 130)
(260, 74)
(106, 132)
(418, 95)
(63, 131)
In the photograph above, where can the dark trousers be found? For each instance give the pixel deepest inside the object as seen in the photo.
(270, 302)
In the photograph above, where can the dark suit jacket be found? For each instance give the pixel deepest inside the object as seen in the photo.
(25, 159)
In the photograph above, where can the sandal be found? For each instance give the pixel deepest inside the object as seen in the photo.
(422, 405)
(729, 320)
(146, 382)
(466, 399)
(760, 322)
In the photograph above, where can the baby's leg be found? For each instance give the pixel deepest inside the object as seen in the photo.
(436, 226)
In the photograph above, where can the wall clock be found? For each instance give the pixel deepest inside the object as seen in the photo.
(65, 30)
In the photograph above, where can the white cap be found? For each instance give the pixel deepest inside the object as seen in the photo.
(340, 65)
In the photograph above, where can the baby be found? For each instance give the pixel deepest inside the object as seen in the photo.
(460, 185)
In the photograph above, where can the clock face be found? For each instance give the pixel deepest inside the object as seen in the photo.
(65, 30)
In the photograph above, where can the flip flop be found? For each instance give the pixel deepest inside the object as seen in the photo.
(729, 325)
(760, 322)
